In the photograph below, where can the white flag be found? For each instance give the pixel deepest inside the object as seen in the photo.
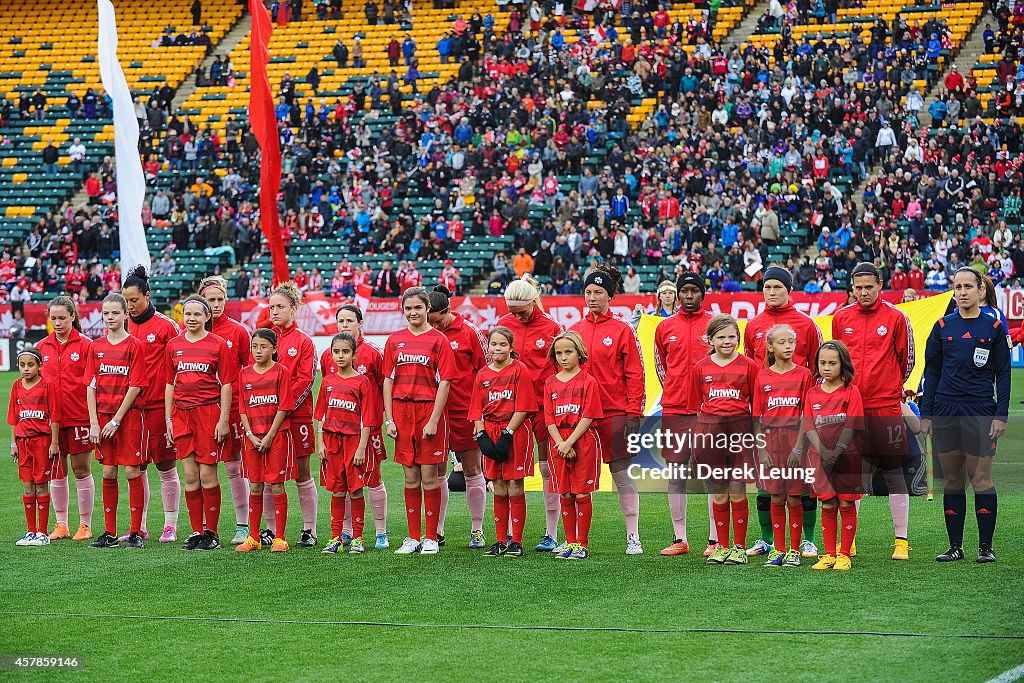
(131, 183)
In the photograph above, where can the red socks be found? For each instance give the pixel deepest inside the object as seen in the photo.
(136, 502)
(584, 514)
(849, 530)
(110, 506)
(796, 521)
(518, 504)
(721, 512)
(570, 520)
(740, 514)
(255, 514)
(501, 515)
(280, 514)
(413, 504)
(194, 503)
(358, 516)
(30, 512)
(829, 522)
(211, 501)
(779, 525)
(337, 515)
(432, 506)
(43, 508)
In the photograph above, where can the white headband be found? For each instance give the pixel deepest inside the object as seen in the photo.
(515, 302)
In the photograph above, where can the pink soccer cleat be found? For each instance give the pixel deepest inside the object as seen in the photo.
(170, 535)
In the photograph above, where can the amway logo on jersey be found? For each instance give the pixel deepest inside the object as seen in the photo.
(343, 404)
(415, 359)
(567, 409)
(107, 369)
(724, 393)
(193, 367)
(783, 402)
(268, 400)
(503, 395)
(32, 415)
(822, 420)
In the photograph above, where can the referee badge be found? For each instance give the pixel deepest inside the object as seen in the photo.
(980, 357)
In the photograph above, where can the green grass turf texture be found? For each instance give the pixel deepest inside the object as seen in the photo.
(458, 586)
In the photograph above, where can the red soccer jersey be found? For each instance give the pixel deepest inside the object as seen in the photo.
(369, 362)
(31, 411)
(154, 334)
(417, 364)
(239, 342)
(679, 342)
(261, 396)
(498, 394)
(344, 404)
(199, 369)
(64, 365)
(615, 362)
(779, 397)
(566, 403)
(296, 352)
(829, 414)
(881, 344)
(112, 368)
(808, 336)
(724, 390)
(532, 342)
(469, 348)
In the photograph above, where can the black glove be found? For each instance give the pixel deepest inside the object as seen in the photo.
(486, 445)
(502, 446)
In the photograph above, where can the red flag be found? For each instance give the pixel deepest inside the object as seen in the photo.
(264, 127)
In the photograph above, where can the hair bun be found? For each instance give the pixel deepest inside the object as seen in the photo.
(441, 289)
(139, 271)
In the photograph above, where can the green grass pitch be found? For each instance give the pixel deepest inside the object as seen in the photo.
(161, 614)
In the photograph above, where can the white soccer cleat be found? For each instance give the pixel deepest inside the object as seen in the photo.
(410, 546)
(560, 548)
(808, 549)
(38, 539)
(759, 548)
(24, 540)
(633, 546)
(430, 547)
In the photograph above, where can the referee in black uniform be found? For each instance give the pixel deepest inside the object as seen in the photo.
(966, 358)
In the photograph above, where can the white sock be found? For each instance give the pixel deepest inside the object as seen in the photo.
(629, 501)
(476, 497)
(677, 508)
(552, 504)
(239, 491)
(444, 504)
(170, 490)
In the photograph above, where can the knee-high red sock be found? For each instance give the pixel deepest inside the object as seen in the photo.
(43, 510)
(358, 516)
(136, 502)
(569, 519)
(501, 514)
(280, 514)
(194, 503)
(255, 514)
(740, 515)
(413, 505)
(337, 515)
(30, 512)
(432, 510)
(829, 522)
(211, 502)
(518, 510)
(779, 525)
(721, 511)
(849, 530)
(584, 515)
(796, 522)
(109, 497)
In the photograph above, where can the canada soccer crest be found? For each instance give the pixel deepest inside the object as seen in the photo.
(455, 346)
(229, 343)
(882, 329)
(607, 341)
(151, 337)
(361, 369)
(540, 343)
(75, 356)
(293, 352)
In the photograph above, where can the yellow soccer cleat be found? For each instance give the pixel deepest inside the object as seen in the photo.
(280, 546)
(902, 551)
(60, 531)
(248, 545)
(825, 562)
(842, 563)
(853, 548)
(84, 533)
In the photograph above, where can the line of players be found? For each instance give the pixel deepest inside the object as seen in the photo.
(439, 386)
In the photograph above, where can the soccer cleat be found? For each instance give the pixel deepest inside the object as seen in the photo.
(759, 548)
(23, 541)
(38, 539)
(561, 548)
(902, 551)
(241, 534)
(853, 548)
(279, 546)
(104, 541)
(382, 542)
(842, 563)
(476, 540)
(737, 555)
(496, 550)
(710, 549)
(307, 539)
(986, 554)
(332, 547)
(825, 562)
(440, 540)
(430, 547)
(84, 533)
(248, 545)
(567, 553)
(357, 546)
(346, 539)
(60, 532)
(514, 550)
(266, 537)
(210, 541)
(134, 541)
(193, 541)
(169, 535)
(954, 554)
(792, 560)
(718, 555)
(124, 538)
(409, 546)
(633, 546)
(546, 545)
(678, 547)
(775, 558)
(808, 549)
(580, 552)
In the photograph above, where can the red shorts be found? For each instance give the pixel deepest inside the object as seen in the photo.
(34, 462)
(127, 447)
(74, 440)
(193, 430)
(338, 472)
(844, 479)
(276, 466)
(375, 449)
(780, 442)
(410, 446)
(581, 475)
(613, 437)
(154, 427)
(236, 437)
(723, 449)
(519, 464)
(461, 436)
(681, 427)
(302, 437)
(885, 440)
